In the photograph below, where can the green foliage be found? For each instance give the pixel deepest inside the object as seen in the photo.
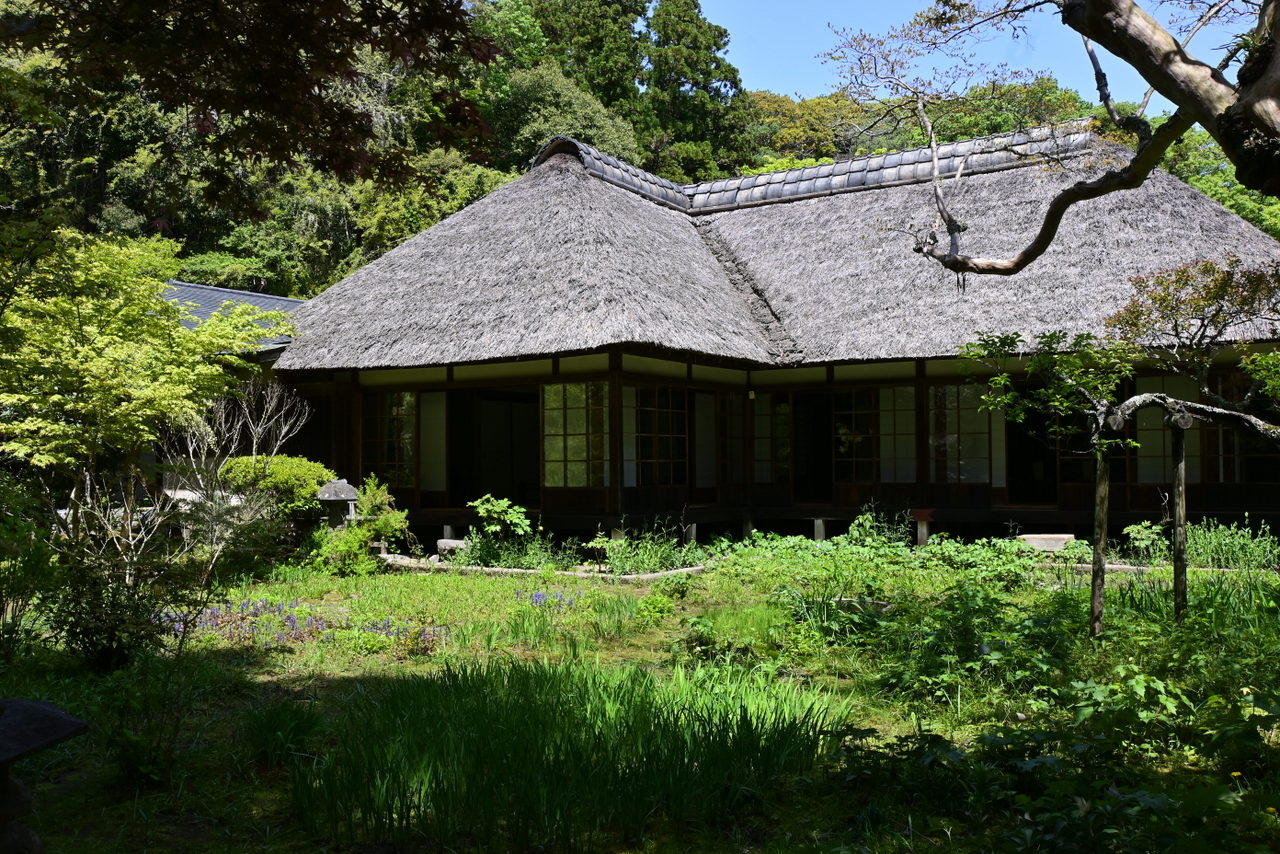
(25, 565)
(1198, 159)
(273, 733)
(1236, 546)
(107, 365)
(1181, 316)
(654, 608)
(654, 550)
(779, 164)
(506, 538)
(521, 756)
(345, 550)
(500, 518)
(292, 483)
(375, 508)
(538, 103)
(244, 96)
(1068, 375)
(811, 129)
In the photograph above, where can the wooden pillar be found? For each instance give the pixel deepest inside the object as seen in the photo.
(1098, 582)
(613, 504)
(819, 530)
(1178, 424)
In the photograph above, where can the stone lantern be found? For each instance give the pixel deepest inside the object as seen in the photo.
(338, 498)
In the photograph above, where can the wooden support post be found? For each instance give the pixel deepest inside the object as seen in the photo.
(1098, 582)
(1178, 424)
(449, 532)
(748, 527)
(691, 532)
(922, 517)
(819, 530)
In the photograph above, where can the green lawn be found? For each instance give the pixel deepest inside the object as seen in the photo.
(846, 696)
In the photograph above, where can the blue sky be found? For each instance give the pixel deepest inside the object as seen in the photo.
(775, 45)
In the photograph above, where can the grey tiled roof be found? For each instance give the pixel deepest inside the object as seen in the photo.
(206, 299)
(973, 156)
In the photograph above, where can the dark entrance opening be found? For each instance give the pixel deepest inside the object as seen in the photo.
(493, 437)
(812, 447)
(1032, 461)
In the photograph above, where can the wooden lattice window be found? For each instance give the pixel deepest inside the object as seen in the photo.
(771, 437)
(1232, 454)
(959, 435)
(874, 435)
(575, 434)
(391, 437)
(655, 436)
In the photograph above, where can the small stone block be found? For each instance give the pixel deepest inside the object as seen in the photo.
(445, 546)
(1047, 542)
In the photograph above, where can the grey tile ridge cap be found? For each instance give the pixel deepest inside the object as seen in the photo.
(1019, 163)
(176, 284)
(1053, 142)
(617, 172)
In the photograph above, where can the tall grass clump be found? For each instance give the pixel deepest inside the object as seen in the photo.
(1234, 546)
(520, 756)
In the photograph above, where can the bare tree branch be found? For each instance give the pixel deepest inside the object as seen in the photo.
(1131, 176)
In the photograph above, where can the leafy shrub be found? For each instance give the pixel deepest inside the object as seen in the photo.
(25, 570)
(1004, 562)
(285, 489)
(654, 608)
(654, 550)
(735, 634)
(1148, 544)
(674, 586)
(505, 537)
(291, 482)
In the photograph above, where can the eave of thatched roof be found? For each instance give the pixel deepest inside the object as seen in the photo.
(556, 261)
(806, 266)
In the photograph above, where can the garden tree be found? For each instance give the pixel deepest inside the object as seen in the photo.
(1071, 380)
(538, 103)
(1002, 107)
(517, 37)
(693, 118)
(1182, 318)
(95, 373)
(809, 128)
(255, 78)
(1243, 117)
(836, 124)
(315, 228)
(597, 44)
(781, 164)
(661, 66)
(92, 376)
(1179, 321)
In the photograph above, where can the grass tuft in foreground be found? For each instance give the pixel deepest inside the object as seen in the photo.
(518, 756)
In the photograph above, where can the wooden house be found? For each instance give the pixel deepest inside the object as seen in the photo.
(599, 344)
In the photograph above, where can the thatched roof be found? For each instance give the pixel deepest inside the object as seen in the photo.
(803, 266)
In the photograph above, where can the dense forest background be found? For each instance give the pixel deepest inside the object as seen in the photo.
(645, 80)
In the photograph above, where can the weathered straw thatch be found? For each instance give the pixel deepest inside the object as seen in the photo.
(804, 266)
(556, 261)
(841, 276)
